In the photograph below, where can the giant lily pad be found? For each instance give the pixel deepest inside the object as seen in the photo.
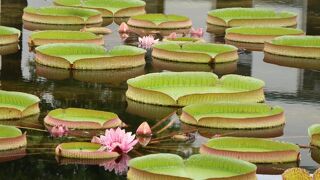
(254, 150)
(182, 40)
(61, 15)
(185, 88)
(14, 105)
(171, 166)
(195, 52)
(233, 115)
(314, 134)
(58, 36)
(83, 150)
(11, 138)
(251, 34)
(9, 35)
(295, 46)
(89, 56)
(77, 118)
(230, 17)
(108, 8)
(160, 21)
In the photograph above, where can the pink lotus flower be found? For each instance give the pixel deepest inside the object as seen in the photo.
(172, 35)
(124, 36)
(119, 165)
(144, 130)
(146, 42)
(123, 28)
(116, 141)
(59, 130)
(196, 32)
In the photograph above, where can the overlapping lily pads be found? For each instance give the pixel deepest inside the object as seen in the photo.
(9, 35)
(11, 138)
(15, 105)
(254, 150)
(61, 15)
(230, 17)
(233, 115)
(295, 46)
(38, 38)
(185, 88)
(108, 8)
(314, 134)
(89, 56)
(77, 118)
(160, 21)
(83, 150)
(195, 52)
(171, 166)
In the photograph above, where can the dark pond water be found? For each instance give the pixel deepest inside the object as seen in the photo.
(295, 89)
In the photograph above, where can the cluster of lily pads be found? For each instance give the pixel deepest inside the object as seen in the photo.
(229, 102)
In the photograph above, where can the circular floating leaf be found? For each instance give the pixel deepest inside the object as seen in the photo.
(254, 150)
(185, 88)
(314, 134)
(109, 8)
(61, 15)
(77, 118)
(9, 35)
(182, 40)
(230, 17)
(38, 38)
(295, 46)
(89, 56)
(252, 34)
(83, 150)
(14, 105)
(160, 21)
(195, 52)
(11, 138)
(233, 115)
(171, 166)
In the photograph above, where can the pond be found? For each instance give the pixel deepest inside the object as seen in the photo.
(297, 90)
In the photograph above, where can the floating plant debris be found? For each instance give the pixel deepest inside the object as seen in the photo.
(89, 56)
(185, 88)
(254, 150)
(77, 118)
(233, 115)
(108, 8)
(230, 17)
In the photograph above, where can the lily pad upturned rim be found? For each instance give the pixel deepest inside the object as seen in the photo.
(257, 16)
(156, 165)
(79, 118)
(314, 130)
(9, 35)
(199, 52)
(64, 36)
(233, 115)
(124, 8)
(145, 88)
(82, 56)
(11, 138)
(74, 150)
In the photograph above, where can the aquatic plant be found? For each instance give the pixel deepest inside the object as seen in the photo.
(9, 35)
(123, 28)
(296, 174)
(314, 134)
(144, 129)
(59, 130)
(11, 138)
(146, 42)
(197, 33)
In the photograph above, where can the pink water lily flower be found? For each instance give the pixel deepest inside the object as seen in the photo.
(144, 130)
(123, 28)
(146, 42)
(116, 140)
(173, 35)
(124, 36)
(119, 165)
(196, 32)
(59, 130)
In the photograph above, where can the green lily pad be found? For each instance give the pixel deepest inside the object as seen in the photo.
(233, 115)
(185, 88)
(9, 35)
(82, 118)
(166, 166)
(195, 52)
(59, 36)
(255, 150)
(314, 134)
(89, 56)
(108, 8)
(11, 138)
(231, 17)
(15, 105)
